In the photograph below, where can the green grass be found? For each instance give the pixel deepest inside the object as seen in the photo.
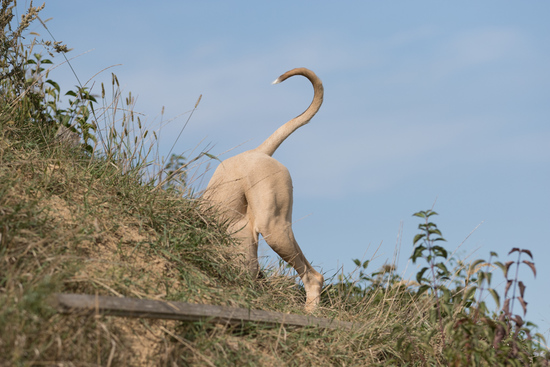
(109, 217)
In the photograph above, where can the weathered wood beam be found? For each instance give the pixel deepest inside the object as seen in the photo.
(142, 308)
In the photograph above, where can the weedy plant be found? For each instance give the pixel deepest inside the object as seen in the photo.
(512, 332)
(460, 328)
(28, 94)
(426, 248)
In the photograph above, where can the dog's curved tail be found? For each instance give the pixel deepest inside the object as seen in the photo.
(270, 145)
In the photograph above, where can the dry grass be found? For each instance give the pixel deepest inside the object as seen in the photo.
(71, 223)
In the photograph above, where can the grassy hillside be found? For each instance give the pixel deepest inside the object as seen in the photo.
(95, 217)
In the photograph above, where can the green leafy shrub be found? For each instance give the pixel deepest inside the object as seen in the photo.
(28, 95)
(460, 325)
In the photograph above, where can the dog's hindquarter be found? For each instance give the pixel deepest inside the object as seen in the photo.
(253, 192)
(248, 181)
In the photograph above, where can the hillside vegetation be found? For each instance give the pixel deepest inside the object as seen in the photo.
(93, 210)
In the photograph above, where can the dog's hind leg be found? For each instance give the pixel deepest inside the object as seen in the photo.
(280, 237)
(247, 240)
(285, 245)
(272, 218)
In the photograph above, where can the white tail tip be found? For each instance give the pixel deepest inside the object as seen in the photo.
(276, 81)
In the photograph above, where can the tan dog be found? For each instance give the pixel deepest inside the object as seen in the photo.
(254, 192)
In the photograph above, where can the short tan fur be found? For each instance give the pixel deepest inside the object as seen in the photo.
(253, 191)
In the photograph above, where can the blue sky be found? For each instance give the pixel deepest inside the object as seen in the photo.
(424, 101)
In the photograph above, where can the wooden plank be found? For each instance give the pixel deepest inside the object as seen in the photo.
(142, 308)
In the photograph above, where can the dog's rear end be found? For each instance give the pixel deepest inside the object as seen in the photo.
(254, 192)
